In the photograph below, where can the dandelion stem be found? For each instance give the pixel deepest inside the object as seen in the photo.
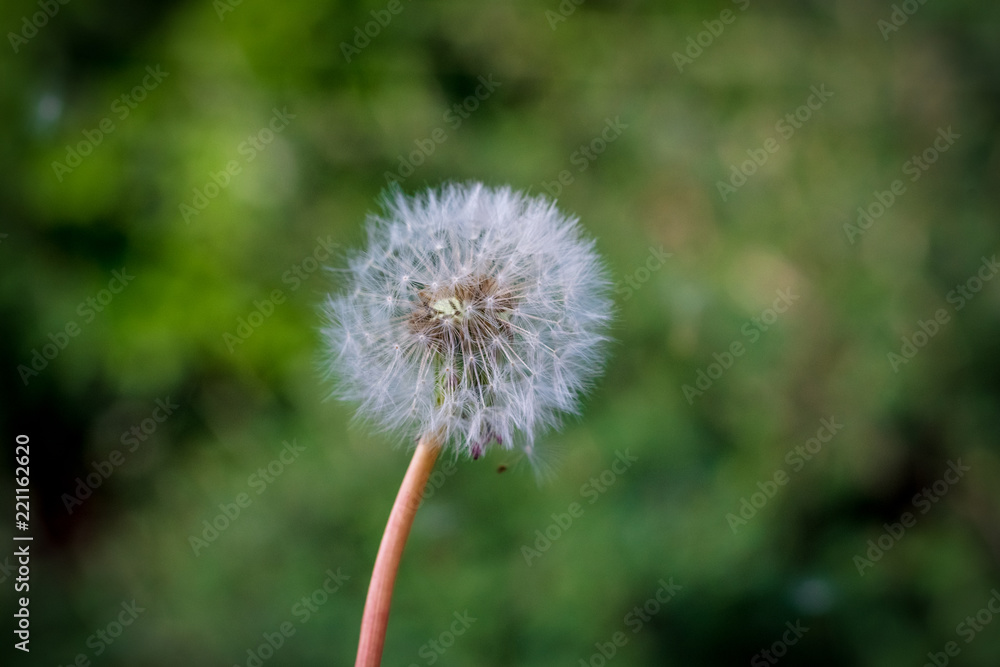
(376, 616)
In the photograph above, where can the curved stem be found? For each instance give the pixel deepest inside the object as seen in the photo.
(376, 616)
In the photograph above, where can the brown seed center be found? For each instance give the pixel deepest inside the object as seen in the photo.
(466, 316)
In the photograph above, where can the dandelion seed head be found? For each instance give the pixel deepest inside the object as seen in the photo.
(477, 314)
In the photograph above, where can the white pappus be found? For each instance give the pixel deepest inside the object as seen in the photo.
(475, 314)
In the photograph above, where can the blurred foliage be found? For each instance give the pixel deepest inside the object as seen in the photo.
(230, 66)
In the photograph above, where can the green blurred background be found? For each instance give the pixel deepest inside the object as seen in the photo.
(308, 128)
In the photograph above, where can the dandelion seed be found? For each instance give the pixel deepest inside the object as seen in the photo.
(494, 295)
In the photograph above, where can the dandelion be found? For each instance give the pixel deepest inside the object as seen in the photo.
(474, 319)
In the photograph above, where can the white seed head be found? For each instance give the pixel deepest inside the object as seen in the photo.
(476, 314)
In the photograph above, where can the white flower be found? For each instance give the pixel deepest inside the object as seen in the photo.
(475, 314)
